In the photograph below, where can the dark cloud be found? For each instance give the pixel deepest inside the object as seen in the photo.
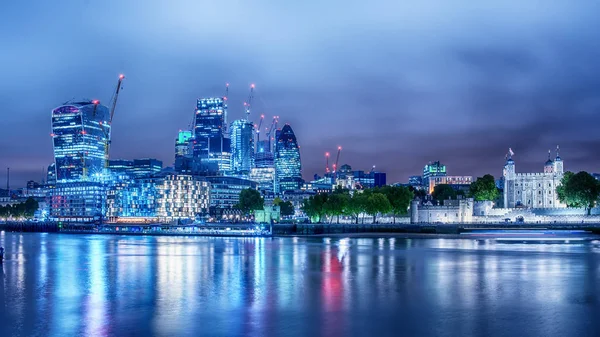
(396, 85)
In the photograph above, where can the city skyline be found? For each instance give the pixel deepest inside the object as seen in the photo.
(409, 95)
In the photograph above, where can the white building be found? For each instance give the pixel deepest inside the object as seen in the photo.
(533, 190)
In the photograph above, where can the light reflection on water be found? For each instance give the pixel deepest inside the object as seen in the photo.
(68, 285)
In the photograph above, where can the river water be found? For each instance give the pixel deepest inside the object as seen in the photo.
(104, 285)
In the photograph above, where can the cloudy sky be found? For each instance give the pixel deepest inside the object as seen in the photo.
(396, 83)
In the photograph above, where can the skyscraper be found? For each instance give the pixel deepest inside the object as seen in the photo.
(210, 144)
(288, 168)
(242, 146)
(183, 144)
(264, 154)
(80, 132)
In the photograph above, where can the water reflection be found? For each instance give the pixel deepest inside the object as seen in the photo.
(59, 285)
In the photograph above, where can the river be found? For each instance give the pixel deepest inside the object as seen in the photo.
(108, 285)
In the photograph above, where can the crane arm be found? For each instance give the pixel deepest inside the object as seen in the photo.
(116, 96)
(262, 117)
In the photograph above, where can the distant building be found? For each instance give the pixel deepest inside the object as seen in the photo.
(457, 182)
(369, 179)
(210, 144)
(265, 178)
(264, 155)
(51, 175)
(183, 144)
(433, 169)
(225, 191)
(288, 167)
(533, 190)
(242, 146)
(137, 168)
(146, 167)
(415, 181)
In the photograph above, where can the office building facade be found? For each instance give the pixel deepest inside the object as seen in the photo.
(288, 167)
(80, 132)
(210, 143)
(242, 146)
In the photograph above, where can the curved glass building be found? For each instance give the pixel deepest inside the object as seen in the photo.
(288, 168)
(79, 140)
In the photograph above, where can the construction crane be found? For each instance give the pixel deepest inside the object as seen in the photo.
(273, 127)
(105, 129)
(225, 98)
(326, 162)
(262, 117)
(337, 159)
(248, 103)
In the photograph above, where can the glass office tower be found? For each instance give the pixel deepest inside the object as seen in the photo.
(242, 146)
(288, 168)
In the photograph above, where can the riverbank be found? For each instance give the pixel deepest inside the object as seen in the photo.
(286, 229)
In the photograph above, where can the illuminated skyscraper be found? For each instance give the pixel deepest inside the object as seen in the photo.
(183, 144)
(210, 144)
(80, 132)
(288, 168)
(242, 146)
(264, 155)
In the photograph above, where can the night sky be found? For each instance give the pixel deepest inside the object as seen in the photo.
(396, 85)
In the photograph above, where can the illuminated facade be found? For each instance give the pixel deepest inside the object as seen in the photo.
(225, 191)
(183, 144)
(137, 168)
(80, 134)
(435, 169)
(79, 140)
(51, 175)
(265, 178)
(242, 146)
(264, 155)
(455, 181)
(167, 197)
(533, 190)
(210, 143)
(78, 202)
(288, 168)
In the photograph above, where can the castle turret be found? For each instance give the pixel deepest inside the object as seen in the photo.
(558, 163)
(549, 165)
(508, 173)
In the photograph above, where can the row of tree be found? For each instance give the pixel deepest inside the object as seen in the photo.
(373, 201)
(24, 209)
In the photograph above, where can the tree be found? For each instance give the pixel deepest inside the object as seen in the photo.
(579, 190)
(560, 190)
(286, 208)
(443, 192)
(399, 198)
(313, 207)
(250, 200)
(484, 188)
(418, 192)
(355, 205)
(377, 203)
(30, 206)
(336, 204)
